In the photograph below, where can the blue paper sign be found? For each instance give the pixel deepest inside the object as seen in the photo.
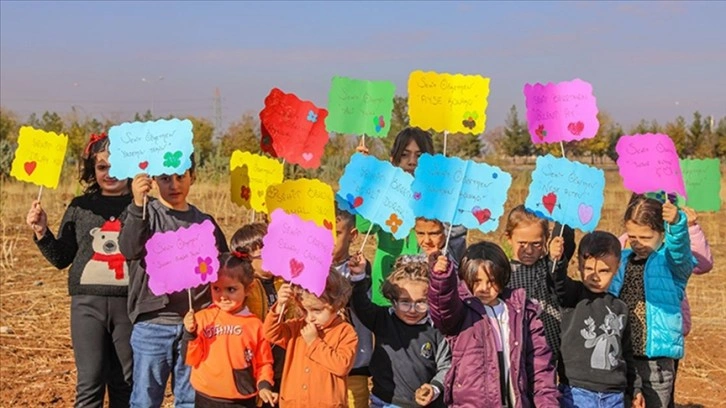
(379, 192)
(154, 148)
(460, 192)
(567, 192)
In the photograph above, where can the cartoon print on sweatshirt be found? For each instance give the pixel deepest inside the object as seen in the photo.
(606, 352)
(107, 266)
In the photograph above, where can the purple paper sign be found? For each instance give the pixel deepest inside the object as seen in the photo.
(649, 163)
(182, 259)
(561, 112)
(298, 251)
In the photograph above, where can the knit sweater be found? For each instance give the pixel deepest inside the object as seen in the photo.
(88, 241)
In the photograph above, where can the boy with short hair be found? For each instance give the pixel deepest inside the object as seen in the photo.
(596, 347)
(156, 338)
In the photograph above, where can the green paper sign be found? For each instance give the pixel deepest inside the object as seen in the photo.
(703, 183)
(360, 107)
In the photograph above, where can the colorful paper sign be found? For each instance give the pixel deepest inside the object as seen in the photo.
(379, 192)
(155, 148)
(250, 175)
(445, 102)
(703, 183)
(561, 112)
(310, 199)
(360, 107)
(649, 163)
(460, 192)
(566, 191)
(299, 251)
(39, 157)
(182, 259)
(293, 129)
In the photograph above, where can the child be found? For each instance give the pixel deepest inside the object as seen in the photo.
(158, 320)
(345, 233)
(597, 354)
(98, 278)
(320, 347)
(495, 334)
(411, 357)
(656, 269)
(231, 359)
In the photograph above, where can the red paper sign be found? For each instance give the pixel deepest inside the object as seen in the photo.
(293, 129)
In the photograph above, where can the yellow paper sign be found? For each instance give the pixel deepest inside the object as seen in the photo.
(251, 174)
(445, 102)
(311, 199)
(39, 157)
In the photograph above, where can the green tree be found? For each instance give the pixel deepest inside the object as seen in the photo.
(145, 117)
(678, 133)
(597, 147)
(696, 134)
(50, 122)
(8, 139)
(517, 141)
(203, 139)
(720, 132)
(241, 135)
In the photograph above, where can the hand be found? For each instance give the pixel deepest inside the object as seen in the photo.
(268, 397)
(140, 186)
(691, 216)
(670, 213)
(357, 264)
(37, 219)
(283, 296)
(424, 395)
(361, 148)
(442, 264)
(190, 323)
(638, 401)
(557, 248)
(309, 333)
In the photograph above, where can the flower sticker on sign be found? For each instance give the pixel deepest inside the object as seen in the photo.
(703, 183)
(561, 112)
(182, 259)
(445, 102)
(299, 251)
(156, 148)
(460, 192)
(310, 199)
(39, 157)
(293, 129)
(379, 192)
(360, 107)
(251, 174)
(650, 163)
(566, 191)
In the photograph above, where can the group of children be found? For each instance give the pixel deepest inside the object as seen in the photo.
(429, 324)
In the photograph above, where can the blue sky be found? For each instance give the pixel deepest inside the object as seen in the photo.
(644, 59)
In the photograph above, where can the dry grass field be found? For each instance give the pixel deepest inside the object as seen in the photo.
(36, 359)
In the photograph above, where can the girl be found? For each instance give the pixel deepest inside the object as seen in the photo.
(231, 359)
(656, 268)
(500, 356)
(320, 347)
(411, 357)
(98, 278)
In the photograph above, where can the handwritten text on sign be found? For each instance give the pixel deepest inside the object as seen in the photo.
(310, 199)
(299, 251)
(39, 157)
(561, 112)
(460, 192)
(360, 107)
(379, 192)
(567, 192)
(445, 102)
(703, 183)
(251, 174)
(182, 259)
(155, 148)
(649, 163)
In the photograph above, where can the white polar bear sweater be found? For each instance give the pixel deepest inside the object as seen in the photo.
(88, 241)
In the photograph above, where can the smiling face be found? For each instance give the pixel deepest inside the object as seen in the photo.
(109, 186)
(412, 303)
(597, 273)
(643, 239)
(228, 294)
(528, 243)
(430, 235)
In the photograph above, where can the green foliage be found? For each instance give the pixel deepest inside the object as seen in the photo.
(203, 144)
(241, 135)
(678, 133)
(517, 141)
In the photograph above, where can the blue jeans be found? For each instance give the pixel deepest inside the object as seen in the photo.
(574, 397)
(157, 355)
(379, 403)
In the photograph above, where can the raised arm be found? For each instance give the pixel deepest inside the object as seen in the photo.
(446, 307)
(677, 242)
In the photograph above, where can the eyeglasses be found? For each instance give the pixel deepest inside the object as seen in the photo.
(420, 306)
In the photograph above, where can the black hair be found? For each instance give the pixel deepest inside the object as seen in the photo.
(403, 138)
(598, 244)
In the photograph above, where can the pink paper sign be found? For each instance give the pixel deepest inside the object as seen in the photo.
(182, 259)
(298, 251)
(650, 163)
(561, 112)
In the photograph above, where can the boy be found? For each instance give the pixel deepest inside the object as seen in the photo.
(156, 338)
(596, 349)
(346, 232)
